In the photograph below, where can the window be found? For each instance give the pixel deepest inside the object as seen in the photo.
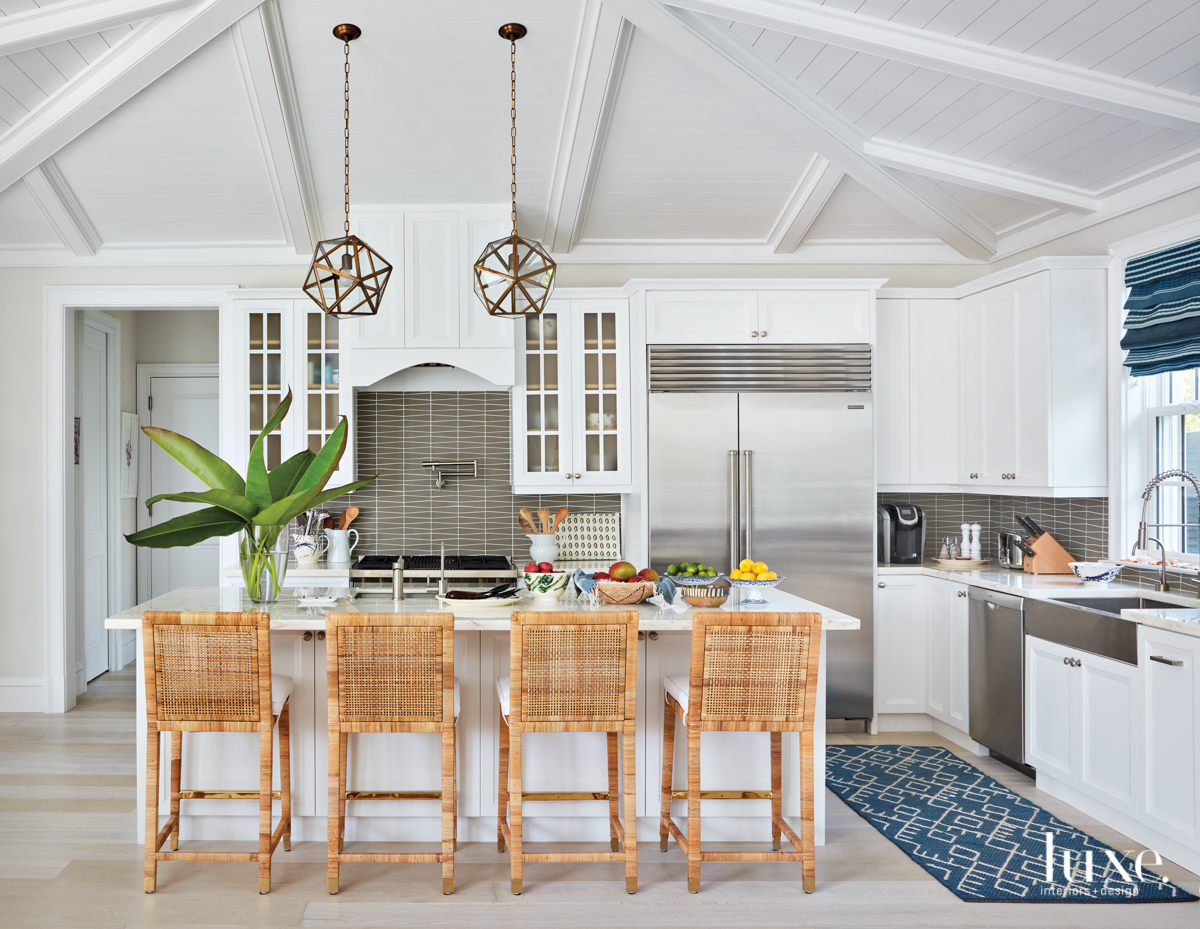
(1176, 424)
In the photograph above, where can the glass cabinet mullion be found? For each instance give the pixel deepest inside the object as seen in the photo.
(322, 377)
(602, 453)
(266, 331)
(543, 446)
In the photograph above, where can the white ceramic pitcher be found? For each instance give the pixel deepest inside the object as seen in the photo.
(340, 545)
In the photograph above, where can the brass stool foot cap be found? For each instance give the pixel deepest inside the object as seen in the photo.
(662, 844)
(694, 885)
(614, 844)
(499, 845)
(264, 885)
(287, 843)
(631, 885)
(333, 885)
(776, 845)
(149, 885)
(447, 885)
(810, 885)
(516, 887)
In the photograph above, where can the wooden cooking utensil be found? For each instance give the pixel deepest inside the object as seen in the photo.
(328, 524)
(349, 515)
(559, 515)
(525, 527)
(527, 515)
(544, 516)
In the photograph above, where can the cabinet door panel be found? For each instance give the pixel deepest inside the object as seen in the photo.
(542, 407)
(960, 660)
(939, 674)
(1031, 399)
(814, 316)
(892, 397)
(385, 234)
(996, 367)
(970, 398)
(934, 394)
(599, 358)
(431, 259)
(476, 328)
(1050, 708)
(1108, 731)
(705, 317)
(1170, 704)
(900, 647)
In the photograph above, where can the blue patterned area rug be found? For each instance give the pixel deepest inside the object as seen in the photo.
(981, 840)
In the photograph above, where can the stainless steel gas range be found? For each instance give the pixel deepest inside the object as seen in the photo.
(424, 573)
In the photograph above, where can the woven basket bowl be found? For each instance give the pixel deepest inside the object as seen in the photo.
(619, 593)
(706, 597)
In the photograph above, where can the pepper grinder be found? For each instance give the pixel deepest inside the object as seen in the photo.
(965, 552)
(976, 544)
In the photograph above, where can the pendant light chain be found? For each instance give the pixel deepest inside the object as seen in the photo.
(513, 42)
(347, 190)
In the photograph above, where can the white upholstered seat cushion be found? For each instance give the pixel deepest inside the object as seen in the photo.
(678, 689)
(281, 689)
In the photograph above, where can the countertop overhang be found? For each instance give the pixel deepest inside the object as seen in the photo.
(288, 615)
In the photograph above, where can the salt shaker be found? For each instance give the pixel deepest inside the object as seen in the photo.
(944, 554)
(954, 550)
(976, 544)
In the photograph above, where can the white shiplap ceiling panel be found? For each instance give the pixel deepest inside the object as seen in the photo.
(854, 213)
(180, 162)
(685, 159)
(22, 222)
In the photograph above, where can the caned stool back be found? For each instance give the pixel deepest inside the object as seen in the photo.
(570, 672)
(211, 672)
(390, 672)
(752, 672)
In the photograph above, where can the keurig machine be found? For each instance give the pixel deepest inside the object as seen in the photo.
(901, 533)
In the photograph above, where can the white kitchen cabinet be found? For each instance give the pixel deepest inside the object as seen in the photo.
(814, 316)
(1033, 385)
(1171, 711)
(893, 402)
(776, 316)
(571, 405)
(946, 654)
(1082, 721)
(900, 644)
(433, 274)
(706, 317)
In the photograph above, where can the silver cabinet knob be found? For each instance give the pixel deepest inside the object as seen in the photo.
(307, 637)
(321, 636)
(974, 476)
(1066, 661)
(577, 476)
(962, 593)
(882, 585)
(754, 335)
(763, 334)
(653, 636)
(641, 636)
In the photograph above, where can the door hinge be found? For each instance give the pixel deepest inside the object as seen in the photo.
(149, 403)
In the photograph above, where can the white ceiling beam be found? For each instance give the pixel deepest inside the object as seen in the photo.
(818, 182)
(719, 53)
(153, 48)
(70, 19)
(64, 211)
(266, 71)
(599, 64)
(981, 177)
(1016, 71)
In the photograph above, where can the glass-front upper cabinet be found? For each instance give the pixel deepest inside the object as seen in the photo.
(322, 377)
(571, 410)
(265, 365)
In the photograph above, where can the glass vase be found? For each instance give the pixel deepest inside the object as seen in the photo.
(263, 568)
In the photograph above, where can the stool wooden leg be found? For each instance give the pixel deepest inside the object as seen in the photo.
(153, 748)
(333, 825)
(264, 810)
(668, 763)
(285, 774)
(627, 743)
(176, 766)
(343, 751)
(502, 789)
(776, 788)
(448, 812)
(614, 797)
(514, 819)
(808, 860)
(693, 791)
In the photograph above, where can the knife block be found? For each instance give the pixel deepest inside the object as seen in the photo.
(1049, 557)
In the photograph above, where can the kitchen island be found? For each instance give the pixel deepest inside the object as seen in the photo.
(556, 761)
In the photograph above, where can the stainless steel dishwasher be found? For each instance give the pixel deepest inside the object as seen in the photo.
(996, 645)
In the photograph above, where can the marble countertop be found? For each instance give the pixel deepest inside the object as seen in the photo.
(288, 614)
(1186, 621)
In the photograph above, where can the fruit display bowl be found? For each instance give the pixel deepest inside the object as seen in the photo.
(619, 593)
(707, 597)
(546, 585)
(692, 580)
(750, 589)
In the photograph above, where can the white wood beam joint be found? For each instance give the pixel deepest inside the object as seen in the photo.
(816, 185)
(54, 195)
(70, 19)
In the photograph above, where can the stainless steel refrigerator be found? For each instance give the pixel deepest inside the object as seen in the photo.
(768, 453)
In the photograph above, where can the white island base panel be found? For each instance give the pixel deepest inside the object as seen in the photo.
(553, 761)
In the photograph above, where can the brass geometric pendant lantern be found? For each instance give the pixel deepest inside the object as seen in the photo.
(514, 276)
(347, 276)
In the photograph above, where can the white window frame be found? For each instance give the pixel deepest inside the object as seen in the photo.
(1153, 393)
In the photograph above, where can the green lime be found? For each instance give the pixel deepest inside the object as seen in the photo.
(671, 569)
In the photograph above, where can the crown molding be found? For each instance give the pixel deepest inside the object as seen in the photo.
(997, 278)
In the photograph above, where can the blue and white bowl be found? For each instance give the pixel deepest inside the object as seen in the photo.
(1095, 573)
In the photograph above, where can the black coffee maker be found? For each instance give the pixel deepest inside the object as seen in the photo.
(901, 533)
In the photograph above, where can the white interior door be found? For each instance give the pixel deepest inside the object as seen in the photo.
(189, 406)
(93, 500)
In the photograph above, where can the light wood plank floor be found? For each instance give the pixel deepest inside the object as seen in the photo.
(67, 858)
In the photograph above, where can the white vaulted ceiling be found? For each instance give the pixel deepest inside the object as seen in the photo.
(649, 130)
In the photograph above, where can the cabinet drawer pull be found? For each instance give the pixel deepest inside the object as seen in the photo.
(1072, 662)
(974, 477)
(962, 593)
(1066, 661)
(1173, 662)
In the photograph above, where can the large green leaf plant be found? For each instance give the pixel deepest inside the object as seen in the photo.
(261, 505)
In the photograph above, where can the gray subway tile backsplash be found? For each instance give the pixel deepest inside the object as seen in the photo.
(404, 513)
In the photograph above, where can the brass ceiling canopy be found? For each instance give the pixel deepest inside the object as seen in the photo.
(514, 276)
(347, 276)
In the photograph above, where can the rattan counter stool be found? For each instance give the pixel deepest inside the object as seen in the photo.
(752, 672)
(211, 672)
(391, 672)
(570, 672)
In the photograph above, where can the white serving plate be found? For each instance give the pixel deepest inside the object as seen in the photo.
(494, 603)
(340, 593)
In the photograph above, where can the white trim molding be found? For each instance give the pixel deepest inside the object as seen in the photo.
(70, 19)
(22, 695)
(63, 209)
(816, 186)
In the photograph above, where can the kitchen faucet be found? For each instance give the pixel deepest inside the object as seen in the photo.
(1176, 474)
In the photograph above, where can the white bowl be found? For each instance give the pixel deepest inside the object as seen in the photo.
(1095, 573)
(546, 585)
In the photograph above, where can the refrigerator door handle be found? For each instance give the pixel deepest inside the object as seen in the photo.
(747, 504)
(733, 507)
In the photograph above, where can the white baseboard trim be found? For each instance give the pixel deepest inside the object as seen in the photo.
(22, 695)
(923, 722)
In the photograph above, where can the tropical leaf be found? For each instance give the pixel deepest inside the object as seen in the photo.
(327, 460)
(258, 485)
(287, 509)
(326, 495)
(211, 470)
(239, 506)
(283, 479)
(188, 529)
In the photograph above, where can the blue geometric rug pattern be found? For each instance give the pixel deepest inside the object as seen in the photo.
(979, 839)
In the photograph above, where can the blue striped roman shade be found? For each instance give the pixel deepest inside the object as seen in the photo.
(1162, 319)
